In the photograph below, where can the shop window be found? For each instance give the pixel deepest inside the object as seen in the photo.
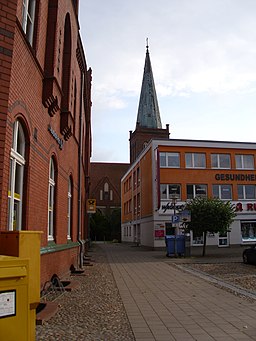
(16, 178)
(198, 239)
(246, 192)
(167, 191)
(244, 162)
(196, 191)
(51, 200)
(220, 161)
(222, 192)
(170, 160)
(195, 160)
(28, 18)
(248, 231)
(69, 215)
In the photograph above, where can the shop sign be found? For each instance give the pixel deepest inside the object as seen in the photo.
(159, 231)
(91, 206)
(170, 206)
(55, 136)
(245, 207)
(235, 177)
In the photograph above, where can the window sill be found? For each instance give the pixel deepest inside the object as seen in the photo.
(53, 247)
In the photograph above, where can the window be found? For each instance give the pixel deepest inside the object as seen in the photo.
(16, 178)
(246, 191)
(248, 231)
(28, 18)
(138, 203)
(106, 191)
(222, 191)
(168, 190)
(220, 161)
(244, 162)
(195, 160)
(69, 208)
(196, 191)
(198, 239)
(171, 160)
(51, 195)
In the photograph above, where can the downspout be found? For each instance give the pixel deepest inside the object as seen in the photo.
(81, 242)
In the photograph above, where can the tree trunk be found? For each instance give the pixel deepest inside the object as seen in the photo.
(204, 246)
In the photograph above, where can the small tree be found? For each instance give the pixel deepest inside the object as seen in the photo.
(209, 215)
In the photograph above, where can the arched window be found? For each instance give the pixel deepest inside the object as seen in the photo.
(51, 196)
(69, 208)
(16, 178)
(106, 191)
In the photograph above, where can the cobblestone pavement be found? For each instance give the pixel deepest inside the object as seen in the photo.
(93, 312)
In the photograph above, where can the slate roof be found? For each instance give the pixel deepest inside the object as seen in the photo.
(148, 112)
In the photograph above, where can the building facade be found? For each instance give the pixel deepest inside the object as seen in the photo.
(45, 128)
(105, 188)
(185, 169)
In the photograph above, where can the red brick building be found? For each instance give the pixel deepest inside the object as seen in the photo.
(45, 128)
(105, 187)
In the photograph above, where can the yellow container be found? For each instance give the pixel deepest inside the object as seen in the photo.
(14, 305)
(26, 244)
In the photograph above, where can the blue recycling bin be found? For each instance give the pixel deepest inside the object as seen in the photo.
(180, 243)
(175, 245)
(170, 245)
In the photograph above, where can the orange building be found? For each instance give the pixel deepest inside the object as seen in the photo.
(184, 169)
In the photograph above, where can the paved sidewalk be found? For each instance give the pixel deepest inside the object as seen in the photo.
(164, 303)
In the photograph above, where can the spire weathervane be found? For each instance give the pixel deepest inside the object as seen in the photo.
(147, 44)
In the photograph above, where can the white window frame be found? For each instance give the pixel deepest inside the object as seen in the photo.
(221, 189)
(194, 190)
(219, 161)
(192, 160)
(69, 215)
(166, 155)
(244, 192)
(169, 193)
(17, 159)
(240, 158)
(28, 18)
(250, 238)
(51, 196)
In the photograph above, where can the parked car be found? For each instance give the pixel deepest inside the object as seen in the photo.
(249, 255)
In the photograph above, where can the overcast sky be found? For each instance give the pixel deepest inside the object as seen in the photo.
(203, 55)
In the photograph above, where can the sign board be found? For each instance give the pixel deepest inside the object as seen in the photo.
(175, 219)
(7, 303)
(185, 216)
(91, 206)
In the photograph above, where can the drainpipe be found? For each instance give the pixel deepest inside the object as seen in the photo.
(81, 242)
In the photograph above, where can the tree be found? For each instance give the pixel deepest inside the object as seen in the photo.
(209, 215)
(106, 225)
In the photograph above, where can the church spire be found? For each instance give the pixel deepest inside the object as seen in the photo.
(148, 112)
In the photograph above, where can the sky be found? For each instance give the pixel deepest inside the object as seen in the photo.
(203, 56)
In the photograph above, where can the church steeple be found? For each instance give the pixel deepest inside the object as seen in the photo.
(148, 125)
(148, 112)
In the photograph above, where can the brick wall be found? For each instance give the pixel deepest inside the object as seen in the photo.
(22, 78)
(7, 27)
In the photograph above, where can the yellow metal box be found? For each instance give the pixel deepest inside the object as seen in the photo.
(14, 305)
